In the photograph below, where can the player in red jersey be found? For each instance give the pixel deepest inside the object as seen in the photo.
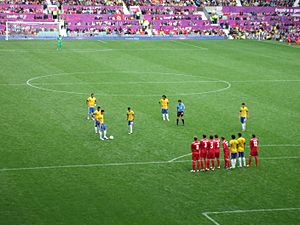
(195, 147)
(253, 150)
(203, 146)
(217, 149)
(226, 153)
(210, 153)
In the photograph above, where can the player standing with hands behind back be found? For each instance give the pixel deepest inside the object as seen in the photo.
(164, 102)
(130, 119)
(59, 42)
(180, 112)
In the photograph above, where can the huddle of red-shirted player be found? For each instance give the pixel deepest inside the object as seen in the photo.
(206, 152)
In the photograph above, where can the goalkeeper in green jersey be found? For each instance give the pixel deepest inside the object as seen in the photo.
(59, 42)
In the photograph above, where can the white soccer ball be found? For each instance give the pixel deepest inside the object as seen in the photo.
(111, 137)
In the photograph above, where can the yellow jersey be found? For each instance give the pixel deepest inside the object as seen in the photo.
(97, 114)
(244, 111)
(164, 103)
(91, 101)
(101, 118)
(233, 145)
(241, 144)
(130, 115)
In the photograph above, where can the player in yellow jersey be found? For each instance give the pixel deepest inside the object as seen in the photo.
(233, 150)
(96, 115)
(241, 150)
(102, 126)
(91, 104)
(164, 102)
(243, 115)
(130, 119)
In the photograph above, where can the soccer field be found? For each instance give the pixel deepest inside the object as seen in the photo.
(54, 170)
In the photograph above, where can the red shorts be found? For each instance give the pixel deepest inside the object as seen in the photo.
(217, 154)
(254, 153)
(195, 156)
(203, 154)
(211, 154)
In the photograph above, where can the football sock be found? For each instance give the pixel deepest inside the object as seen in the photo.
(177, 121)
(213, 163)
(207, 164)
(100, 134)
(193, 165)
(228, 163)
(249, 161)
(233, 161)
(104, 134)
(96, 130)
(218, 160)
(240, 162)
(199, 165)
(163, 116)
(130, 128)
(167, 116)
(256, 161)
(182, 121)
(244, 161)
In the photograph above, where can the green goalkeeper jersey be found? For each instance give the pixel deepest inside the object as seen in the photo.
(59, 39)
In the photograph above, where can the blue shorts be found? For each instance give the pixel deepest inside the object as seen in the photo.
(164, 111)
(97, 123)
(241, 154)
(103, 127)
(233, 155)
(130, 122)
(243, 119)
(91, 109)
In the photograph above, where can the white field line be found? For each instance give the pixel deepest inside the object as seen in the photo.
(134, 82)
(120, 164)
(190, 45)
(175, 82)
(30, 83)
(104, 42)
(261, 81)
(206, 214)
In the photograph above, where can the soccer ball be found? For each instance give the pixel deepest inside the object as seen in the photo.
(111, 137)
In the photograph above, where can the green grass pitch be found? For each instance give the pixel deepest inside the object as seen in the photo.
(55, 171)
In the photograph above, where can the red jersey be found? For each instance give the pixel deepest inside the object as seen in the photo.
(225, 147)
(254, 144)
(203, 144)
(210, 145)
(195, 146)
(217, 145)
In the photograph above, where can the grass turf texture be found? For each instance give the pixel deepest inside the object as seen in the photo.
(49, 128)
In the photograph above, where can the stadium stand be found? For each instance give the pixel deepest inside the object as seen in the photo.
(95, 18)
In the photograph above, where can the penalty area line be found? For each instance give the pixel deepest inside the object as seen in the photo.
(206, 214)
(104, 42)
(120, 164)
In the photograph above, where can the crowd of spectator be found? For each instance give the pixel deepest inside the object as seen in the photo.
(203, 3)
(169, 11)
(23, 2)
(94, 10)
(159, 2)
(272, 3)
(276, 33)
(19, 9)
